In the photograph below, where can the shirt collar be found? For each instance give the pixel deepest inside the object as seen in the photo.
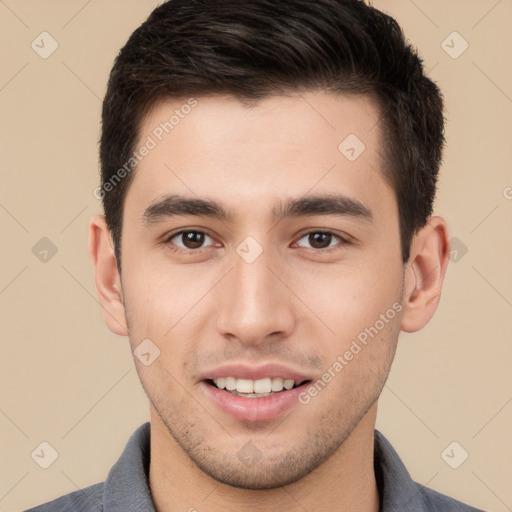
(397, 490)
(127, 484)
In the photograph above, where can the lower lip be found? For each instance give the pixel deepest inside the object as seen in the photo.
(253, 409)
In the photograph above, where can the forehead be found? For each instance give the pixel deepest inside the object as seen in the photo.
(246, 155)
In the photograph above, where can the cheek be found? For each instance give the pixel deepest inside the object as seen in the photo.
(351, 297)
(167, 305)
(160, 295)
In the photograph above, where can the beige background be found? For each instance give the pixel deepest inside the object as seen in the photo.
(67, 380)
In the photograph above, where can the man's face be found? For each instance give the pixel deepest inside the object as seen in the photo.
(263, 285)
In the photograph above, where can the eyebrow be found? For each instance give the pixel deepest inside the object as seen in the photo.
(330, 204)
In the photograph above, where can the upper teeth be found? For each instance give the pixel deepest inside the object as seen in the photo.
(254, 386)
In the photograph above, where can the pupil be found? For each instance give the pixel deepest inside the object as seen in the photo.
(193, 239)
(320, 240)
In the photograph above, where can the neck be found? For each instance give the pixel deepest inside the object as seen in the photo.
(345, 481)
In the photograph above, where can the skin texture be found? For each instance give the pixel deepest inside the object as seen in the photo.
(296, 305)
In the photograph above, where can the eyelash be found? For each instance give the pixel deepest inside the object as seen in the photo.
(173, 247)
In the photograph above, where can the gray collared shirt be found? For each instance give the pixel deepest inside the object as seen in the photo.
(126, 488)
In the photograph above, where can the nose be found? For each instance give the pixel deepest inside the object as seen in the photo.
(254, 305)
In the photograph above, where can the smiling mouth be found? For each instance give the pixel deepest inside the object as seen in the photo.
(248, 388)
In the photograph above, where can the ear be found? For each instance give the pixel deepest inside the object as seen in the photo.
(424, 274)
(106, 275)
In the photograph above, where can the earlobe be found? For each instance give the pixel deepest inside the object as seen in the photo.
(424, 274)
(106, 275)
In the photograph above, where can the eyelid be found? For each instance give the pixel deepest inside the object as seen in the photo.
(169, 236)
(344, 240)
(339, 234)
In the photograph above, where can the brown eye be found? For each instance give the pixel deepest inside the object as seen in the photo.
(319, 240)
(190, 239)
